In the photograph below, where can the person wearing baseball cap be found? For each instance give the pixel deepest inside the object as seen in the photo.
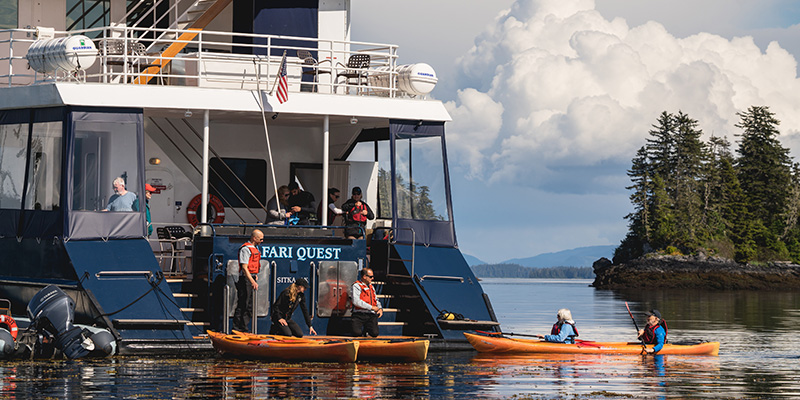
(148, 192)
(284, 306)
(655, 332)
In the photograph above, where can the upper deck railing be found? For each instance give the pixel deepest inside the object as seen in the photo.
(211, 59)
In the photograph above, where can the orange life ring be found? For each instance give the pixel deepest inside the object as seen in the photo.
(10, 323)
(217, 217)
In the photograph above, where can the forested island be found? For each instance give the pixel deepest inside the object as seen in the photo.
(702, 213)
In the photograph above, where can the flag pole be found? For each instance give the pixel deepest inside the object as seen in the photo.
(278, 75)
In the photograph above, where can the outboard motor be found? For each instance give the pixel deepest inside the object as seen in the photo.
(6, 344)
(52, 312)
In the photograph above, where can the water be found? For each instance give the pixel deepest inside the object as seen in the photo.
(758, 357)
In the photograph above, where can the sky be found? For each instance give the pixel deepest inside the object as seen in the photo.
(550, 99)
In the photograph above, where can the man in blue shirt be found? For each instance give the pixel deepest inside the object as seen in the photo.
(122, 200)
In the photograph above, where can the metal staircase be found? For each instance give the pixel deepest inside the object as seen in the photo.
(194, 19)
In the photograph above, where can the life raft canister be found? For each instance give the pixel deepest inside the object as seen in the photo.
(10, 323)
(217, 217)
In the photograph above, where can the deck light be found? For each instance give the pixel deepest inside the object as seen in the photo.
(188, 114)
(155, 161)
(353, 121)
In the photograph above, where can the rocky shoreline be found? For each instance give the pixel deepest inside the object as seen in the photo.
(661, 271)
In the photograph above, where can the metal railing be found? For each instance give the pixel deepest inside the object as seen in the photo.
(212, 59)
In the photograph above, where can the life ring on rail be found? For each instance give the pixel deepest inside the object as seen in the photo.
(10, 323)
(217, 217)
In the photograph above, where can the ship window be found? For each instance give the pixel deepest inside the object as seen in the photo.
(103, 151)
(13, 151)
(419, 179)
(87, 14)
(9, 14)
(237, 180)
(384, 180)
(44, 170)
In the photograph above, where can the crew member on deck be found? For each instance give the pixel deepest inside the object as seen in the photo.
(564, 330)
(655, 332)
(366, 307)
(284, 307)
(249, 266)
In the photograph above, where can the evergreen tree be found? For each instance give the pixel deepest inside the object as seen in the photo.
(764, 167)
(690, 155)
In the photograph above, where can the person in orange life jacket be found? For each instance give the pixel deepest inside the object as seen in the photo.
(356, 214)
(284, 307)
(301, 203)
(249, 266)
(655, 332)
(333, 197)
(564, 330)
(366, 307)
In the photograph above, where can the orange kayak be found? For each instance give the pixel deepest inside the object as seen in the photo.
(506, 345)
(386, 348)
(284, 350)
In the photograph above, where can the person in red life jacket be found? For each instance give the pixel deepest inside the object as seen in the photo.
(249, 266)
(284, 307)
(333, 211)
(564, 330)
(366, 307)
(356, 214)
(655, 332)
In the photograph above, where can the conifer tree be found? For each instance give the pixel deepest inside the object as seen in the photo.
(764, 167)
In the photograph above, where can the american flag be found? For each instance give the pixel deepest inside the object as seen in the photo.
(283, 84)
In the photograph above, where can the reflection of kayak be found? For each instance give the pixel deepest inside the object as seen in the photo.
(387, 348)
(500, 344)
(285, 350)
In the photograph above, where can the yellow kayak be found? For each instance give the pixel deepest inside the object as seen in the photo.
(386, 348)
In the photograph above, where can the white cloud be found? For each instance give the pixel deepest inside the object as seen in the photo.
(573, 89)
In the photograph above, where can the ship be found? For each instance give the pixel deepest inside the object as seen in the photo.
(213, 105)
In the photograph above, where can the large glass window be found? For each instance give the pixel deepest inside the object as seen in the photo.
(44, 172)
(85, 14)
(9, 14)
(103, 152)
(228, 176)
(420, 179)
(13, 152)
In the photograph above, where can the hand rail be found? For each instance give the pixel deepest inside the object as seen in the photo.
(442, 277)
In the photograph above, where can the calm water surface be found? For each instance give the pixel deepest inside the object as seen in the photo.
(759, 357)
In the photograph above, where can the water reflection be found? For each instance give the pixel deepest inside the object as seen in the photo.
(758, 357)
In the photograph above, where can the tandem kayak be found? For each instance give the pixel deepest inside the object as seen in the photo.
(506, 345)
(386, 348)
(285, 350)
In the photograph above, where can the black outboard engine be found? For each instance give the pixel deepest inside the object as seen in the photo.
(52, 313)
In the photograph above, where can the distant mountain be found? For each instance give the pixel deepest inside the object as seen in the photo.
(580, 257)
(472, 260)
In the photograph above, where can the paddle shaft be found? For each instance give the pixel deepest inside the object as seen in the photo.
(522, 334)
(635, 325)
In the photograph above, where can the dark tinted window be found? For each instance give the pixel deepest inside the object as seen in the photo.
(237, 180)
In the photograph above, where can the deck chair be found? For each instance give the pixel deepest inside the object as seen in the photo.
(312, 67)
(356, 70)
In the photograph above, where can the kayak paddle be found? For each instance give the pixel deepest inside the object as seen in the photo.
(635, 325)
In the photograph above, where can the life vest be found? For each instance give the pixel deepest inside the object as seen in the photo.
(649, 335)
(557, 328)
(356, 213)
(367, 294)
(254, 263)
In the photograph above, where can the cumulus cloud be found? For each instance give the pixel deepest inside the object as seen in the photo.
(558, 90)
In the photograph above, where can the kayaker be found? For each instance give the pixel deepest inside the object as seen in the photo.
(249, 266)
(366, 307)
(654, 332)
(284, 306)
(564, 330)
